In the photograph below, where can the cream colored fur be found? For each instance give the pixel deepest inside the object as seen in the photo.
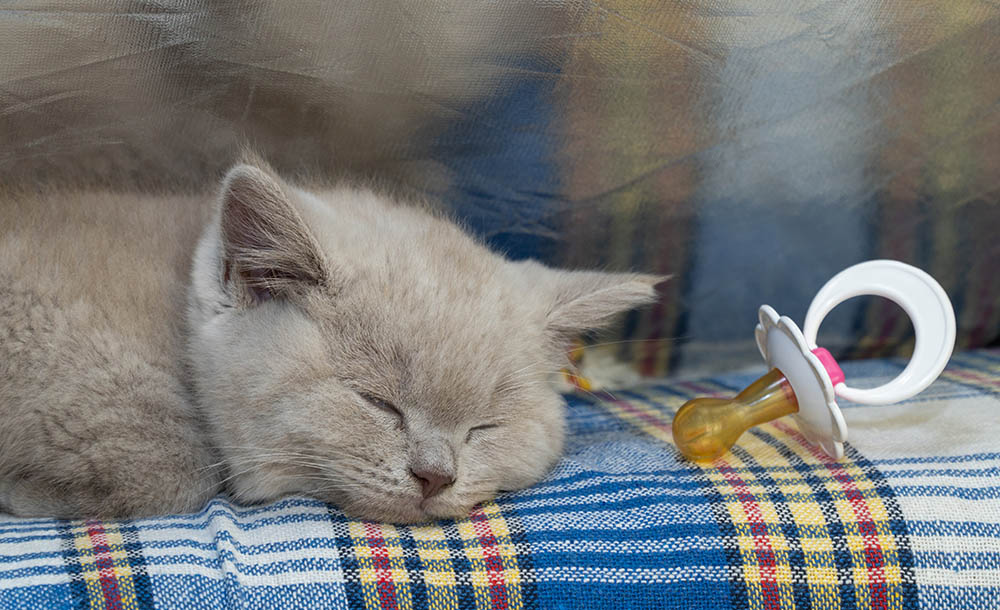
(336, 343)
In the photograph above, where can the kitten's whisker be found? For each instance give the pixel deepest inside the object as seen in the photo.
(624, 341)
(219, 464)
(256, 449)
(239, 473)
(525, 368)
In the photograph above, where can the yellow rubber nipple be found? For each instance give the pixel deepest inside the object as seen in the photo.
(705, 428)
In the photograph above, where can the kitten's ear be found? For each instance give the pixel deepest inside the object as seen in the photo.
(586, 300)
(267, 250)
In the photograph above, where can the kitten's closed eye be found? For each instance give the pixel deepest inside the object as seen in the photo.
(475, 430)
(382, 404)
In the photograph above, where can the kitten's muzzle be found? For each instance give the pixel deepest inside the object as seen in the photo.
(432, 481)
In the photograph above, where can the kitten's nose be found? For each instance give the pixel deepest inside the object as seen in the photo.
(432, 481)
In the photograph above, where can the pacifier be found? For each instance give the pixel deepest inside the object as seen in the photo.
(804, 380)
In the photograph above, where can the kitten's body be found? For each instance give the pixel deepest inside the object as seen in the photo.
(95, 409)
(335, 344)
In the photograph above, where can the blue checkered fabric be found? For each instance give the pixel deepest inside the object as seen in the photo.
(910, 518)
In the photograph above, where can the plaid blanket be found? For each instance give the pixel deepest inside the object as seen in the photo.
(909, 519)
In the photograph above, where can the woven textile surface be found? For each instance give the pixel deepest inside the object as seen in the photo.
(909, 519)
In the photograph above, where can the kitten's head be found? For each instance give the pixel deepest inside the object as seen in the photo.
(372, 355)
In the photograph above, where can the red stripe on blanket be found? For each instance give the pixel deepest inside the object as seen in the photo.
(702, 390)
(758, 529)
(382, 566)
(645, 417)
(491, 559)
(105, 566)
(975, 377)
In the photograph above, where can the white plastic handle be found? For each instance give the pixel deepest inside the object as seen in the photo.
(920, 296)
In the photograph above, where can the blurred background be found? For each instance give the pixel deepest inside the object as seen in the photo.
(752, 148)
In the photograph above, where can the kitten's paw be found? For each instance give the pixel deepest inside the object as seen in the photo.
(20, 497)
(130, 447)
(39, 496)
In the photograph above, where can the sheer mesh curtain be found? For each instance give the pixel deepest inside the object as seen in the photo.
(751, 148)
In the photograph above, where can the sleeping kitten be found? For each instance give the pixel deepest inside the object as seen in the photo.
(335, 343)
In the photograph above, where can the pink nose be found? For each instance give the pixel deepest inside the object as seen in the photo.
(432, 481)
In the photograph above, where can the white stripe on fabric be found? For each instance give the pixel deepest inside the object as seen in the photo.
(955, 544)
(283, 578)
(920, 508)
(581, 574)
(35, 580)
(957, 578)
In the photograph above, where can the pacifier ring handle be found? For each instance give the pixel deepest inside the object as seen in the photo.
(923, 300)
